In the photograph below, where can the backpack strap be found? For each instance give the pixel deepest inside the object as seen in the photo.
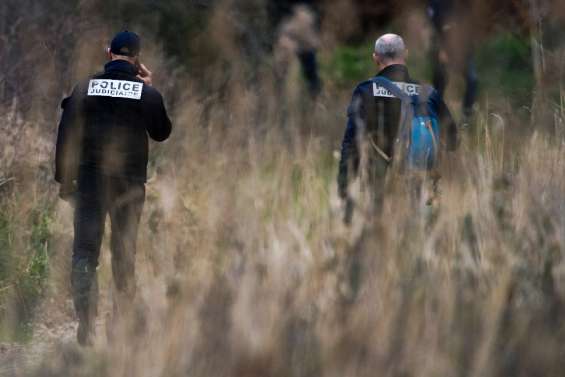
(409, 105)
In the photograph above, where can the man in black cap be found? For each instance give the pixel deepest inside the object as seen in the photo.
(101, 164)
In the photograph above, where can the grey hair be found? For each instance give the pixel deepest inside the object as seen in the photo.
(390, 46)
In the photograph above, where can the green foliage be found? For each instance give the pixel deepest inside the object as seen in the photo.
(6, 238)
(349, 64)
(420, 65)
(174, 23)
(23, 275)
(32, 281)
(504, 67)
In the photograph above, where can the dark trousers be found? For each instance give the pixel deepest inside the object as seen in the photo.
(123, 200)
(310, 70)
(466, 66)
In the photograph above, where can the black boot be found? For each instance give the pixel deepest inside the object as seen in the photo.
(85, 296)
(85, 332)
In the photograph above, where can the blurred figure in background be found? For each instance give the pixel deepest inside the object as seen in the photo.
(297, 35)
(376, 117)
(101, 164)
(452, 46)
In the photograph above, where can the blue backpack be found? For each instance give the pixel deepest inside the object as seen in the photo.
(418, 133)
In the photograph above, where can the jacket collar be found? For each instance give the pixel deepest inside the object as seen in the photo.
(395, 72)
(120, 66)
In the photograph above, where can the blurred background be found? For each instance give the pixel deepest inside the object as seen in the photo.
(244, 265)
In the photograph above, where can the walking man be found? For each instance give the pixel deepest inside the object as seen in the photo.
(452, 47)
(297, 24)
(375, 118)
(101, 163)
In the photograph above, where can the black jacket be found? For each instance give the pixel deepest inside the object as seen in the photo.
(379, 117)
(105, 124)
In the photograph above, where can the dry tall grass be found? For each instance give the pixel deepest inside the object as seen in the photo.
(246, 270)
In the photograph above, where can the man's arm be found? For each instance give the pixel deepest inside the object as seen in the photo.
(159, 125)
(69, 140)
(349, 147)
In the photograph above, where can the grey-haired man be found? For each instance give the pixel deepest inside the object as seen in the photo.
(375, 114)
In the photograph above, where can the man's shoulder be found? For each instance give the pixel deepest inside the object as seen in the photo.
(81, 86)
(79, 91)
(364, 85)
(97, 75)
(150, 94)
(363, 88)
(151, 90)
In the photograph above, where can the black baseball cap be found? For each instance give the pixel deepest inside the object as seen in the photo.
(126, 43)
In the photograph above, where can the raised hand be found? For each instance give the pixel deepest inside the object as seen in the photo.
(145, 74)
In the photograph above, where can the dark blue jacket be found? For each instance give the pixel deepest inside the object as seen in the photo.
(371, 114)
(105, 125)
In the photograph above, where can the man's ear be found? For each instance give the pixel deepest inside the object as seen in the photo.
(376, 59)
(108, 53)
